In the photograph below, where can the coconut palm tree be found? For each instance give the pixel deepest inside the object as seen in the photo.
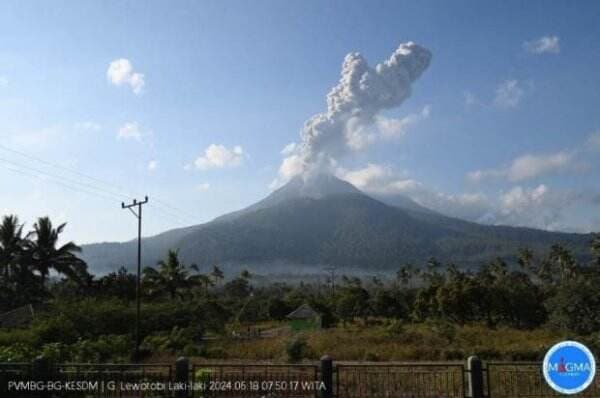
(217, 274)
(12, 245)
(47, 254)
(171, 277)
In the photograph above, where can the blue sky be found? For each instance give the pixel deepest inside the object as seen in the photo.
(503, 127)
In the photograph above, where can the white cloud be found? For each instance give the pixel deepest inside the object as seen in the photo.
(291, 166)
(387, 184)
(152, 165)
(534, 207)
(3, 81)
(508, 94)
(130, 130)
(471, 99)
(538, 207)
(205, 186)
(120, 72)
(543, 45)
(289, 149)
(88, 126)
(219, 156)
(527, 167)
(393, 128)
(593, 141)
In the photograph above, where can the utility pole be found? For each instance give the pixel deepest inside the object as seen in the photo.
(331, 271)
(138, 292)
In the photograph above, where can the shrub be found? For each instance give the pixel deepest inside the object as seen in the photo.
(296, 349)
(216, 352)
(16, 353)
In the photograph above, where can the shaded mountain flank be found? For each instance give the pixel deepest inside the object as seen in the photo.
(304, 226)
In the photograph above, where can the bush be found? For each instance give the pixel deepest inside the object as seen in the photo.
(395, 328)
(16, 353)
(216, 352)
(109, 348)
(296, 349)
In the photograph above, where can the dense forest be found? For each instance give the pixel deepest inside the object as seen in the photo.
(193, 310)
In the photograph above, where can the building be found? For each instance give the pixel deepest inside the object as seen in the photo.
(304, 318)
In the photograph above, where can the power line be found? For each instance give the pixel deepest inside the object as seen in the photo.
(63, 178)
(121, 191)
(77, 187)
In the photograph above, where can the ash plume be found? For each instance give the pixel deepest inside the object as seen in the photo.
(352, 106)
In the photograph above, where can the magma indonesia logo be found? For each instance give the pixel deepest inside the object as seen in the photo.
(569, 367)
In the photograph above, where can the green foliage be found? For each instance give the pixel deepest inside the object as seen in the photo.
(175, 341)
(106, 348)
(17, 352)
(296, 349)
(576, 305)
(428, 309)
(26, 260)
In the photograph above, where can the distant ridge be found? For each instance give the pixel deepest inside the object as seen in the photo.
(309, 223)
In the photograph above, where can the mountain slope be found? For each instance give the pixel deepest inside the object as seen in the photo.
(325, 221)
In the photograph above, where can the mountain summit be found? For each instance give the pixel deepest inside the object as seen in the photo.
(323, 220)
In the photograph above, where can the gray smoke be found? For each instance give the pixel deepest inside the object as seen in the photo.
(353, 104)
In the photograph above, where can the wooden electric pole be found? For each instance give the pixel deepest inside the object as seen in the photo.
(138, 292)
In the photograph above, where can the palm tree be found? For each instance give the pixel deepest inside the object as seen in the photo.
(46, 254)
(171, 276)
(217, 274)
(11, 244)
(525, 258)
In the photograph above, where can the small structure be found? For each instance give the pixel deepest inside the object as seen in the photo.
(304, 318)
(18, 317)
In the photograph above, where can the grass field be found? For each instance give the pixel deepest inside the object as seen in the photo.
(386, 341)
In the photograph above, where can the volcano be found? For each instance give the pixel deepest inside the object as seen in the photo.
(324, 221)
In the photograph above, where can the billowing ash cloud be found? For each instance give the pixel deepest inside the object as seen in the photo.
(352, 105)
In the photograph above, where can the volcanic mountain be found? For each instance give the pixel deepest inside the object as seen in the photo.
(307, 224)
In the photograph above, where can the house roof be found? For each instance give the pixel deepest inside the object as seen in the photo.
(305, 311)
(18, 317)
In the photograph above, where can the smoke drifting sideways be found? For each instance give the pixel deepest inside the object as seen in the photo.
(352, 107)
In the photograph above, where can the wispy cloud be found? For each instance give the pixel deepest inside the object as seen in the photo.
(3, 81)
(152, 165)
(593, 141)
(508, 94)
(88, 126)
(527, 167)
(219, 156)
(543, 45)
(205, 186)
(130, 130)
(395, 128)
(536, 207)
(386, 183)
(120, 72)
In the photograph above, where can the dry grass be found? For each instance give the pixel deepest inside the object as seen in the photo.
(423, 342)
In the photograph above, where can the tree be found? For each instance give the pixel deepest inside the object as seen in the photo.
(525, 258)
(46, 254)
(11, 245)
(171, 277)
(595, 247)
(217, 275)
(576, 305)
(353, 300)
